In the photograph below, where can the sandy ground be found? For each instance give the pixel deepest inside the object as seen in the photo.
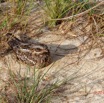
(85, 84)
(85, 78)
(85, 74)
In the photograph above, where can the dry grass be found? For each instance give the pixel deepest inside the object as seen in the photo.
(29, 88)
(17, 17)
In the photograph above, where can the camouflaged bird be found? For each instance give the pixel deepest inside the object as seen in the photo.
(34, 54)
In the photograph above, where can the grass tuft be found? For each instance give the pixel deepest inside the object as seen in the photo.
(24, 89)
(56, 9)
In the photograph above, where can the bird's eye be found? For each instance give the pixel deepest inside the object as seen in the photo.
(38, 49)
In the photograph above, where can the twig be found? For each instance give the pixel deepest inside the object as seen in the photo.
(80, 14)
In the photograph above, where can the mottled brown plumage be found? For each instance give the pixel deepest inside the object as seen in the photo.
(35, 54)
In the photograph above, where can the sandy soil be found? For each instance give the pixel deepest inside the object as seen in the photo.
(85, 74)
(85, 84)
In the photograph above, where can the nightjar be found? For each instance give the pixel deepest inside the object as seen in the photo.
(34, 54)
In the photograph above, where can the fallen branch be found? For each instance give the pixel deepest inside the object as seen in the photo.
(80, 14)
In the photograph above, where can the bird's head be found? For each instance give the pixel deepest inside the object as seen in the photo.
(43, 54)
(40, 49)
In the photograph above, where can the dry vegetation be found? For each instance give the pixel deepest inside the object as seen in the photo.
(30, 18)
